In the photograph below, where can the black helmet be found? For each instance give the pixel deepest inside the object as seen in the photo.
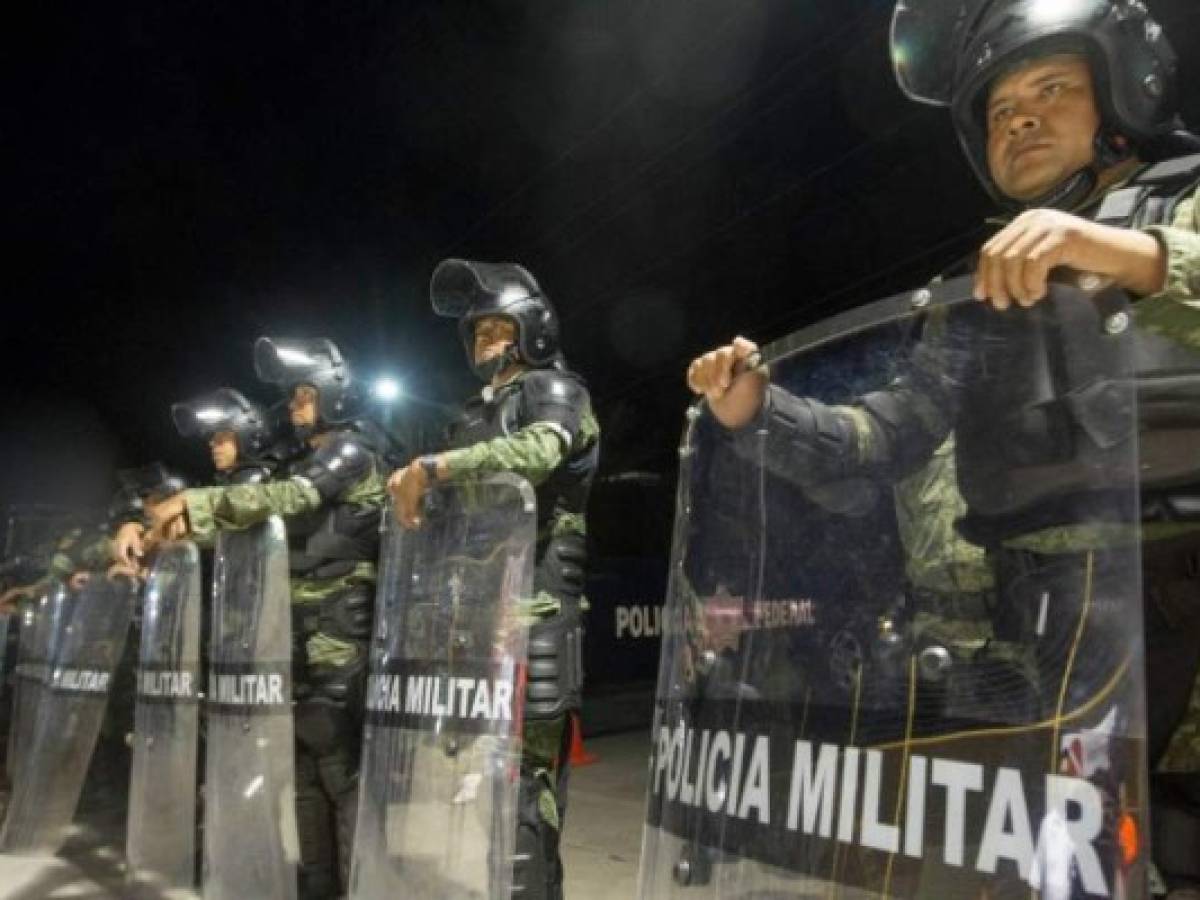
(316, 362)
(948, 53)
(224, 410)
(153, 482)
(468, 291)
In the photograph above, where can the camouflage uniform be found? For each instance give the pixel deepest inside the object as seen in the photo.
(79, 550)
(331, 503)
(904, 433)
(555, 449)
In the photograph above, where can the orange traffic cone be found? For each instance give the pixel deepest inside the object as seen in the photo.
(579, 754)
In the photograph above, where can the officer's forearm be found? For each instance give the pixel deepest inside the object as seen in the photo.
(533, 453)
(1134, 259)
(244, 505)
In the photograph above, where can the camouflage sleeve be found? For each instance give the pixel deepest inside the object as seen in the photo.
(1174, 312)
(243, 505)
(79, 550)
(533, 452)
(62, 566)
(888, 433)
(96, 554)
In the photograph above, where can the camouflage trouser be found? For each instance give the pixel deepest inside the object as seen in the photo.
(542, 740)
(1171, 584)
(1183, 750)
(330, 665)
(538, 871)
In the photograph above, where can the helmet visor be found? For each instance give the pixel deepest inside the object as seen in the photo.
(289, 362)
(459, 286)
(222, 410)
(925, 41)
(453, 288)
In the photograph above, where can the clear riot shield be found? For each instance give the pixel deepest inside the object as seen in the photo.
(161, 838)
(28, 673)
(86, 630)
(442, 745)
(916, 671)
(40, 621)
(8, 629)
(251, 848)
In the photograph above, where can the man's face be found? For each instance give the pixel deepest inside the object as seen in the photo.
(303, 406)
(493, 335)
(224, 449)
(1041, 122)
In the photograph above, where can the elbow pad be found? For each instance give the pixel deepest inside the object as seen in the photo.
(816, 441)
(555, 398)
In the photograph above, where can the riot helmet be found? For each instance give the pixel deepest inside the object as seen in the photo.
(317, 362)
(468, 291)
(225, 410)
(153, 482)
(950, 52)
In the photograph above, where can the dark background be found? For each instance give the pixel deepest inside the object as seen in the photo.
(183, 177)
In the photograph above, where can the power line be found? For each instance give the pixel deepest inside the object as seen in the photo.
(635, 96)
(746, 214)
(721, 113)
(677, 364)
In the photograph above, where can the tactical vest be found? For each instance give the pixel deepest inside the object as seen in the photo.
(329, 542)
(1042, 447)
(506, 410)
(249, 473)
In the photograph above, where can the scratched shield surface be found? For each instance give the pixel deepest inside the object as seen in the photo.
(84, 632)
(442, 743)
(160, 843)
(251, 847)
(915, 669)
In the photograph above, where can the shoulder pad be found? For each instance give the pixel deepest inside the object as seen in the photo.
(251, 473)
(1181, 168)
(550, 395)
(337, 464)
(345, 450)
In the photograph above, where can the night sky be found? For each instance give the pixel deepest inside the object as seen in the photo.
(183, 177)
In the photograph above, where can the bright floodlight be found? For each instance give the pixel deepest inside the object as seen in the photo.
(386, 389)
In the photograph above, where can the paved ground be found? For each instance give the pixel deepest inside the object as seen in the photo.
(601, 844)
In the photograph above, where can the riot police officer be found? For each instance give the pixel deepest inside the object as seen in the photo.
(237, 432)
(1068, 115)
(533, 418)
(330, 498)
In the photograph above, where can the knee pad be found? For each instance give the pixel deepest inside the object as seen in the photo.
(561, 569)
(555, 671)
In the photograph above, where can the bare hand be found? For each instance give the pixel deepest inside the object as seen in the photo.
(127, 547)
(168, 520)
(120, 570)
(1015, 264)
(734, 396)
(407, 487)
(10, 598)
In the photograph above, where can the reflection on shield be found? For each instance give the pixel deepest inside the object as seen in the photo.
(161, 839)
(250, 840)
(77, 639)
(916, 672)
(442, 745)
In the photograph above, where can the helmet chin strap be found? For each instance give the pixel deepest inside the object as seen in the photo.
(490, 368)
(1109, 149)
